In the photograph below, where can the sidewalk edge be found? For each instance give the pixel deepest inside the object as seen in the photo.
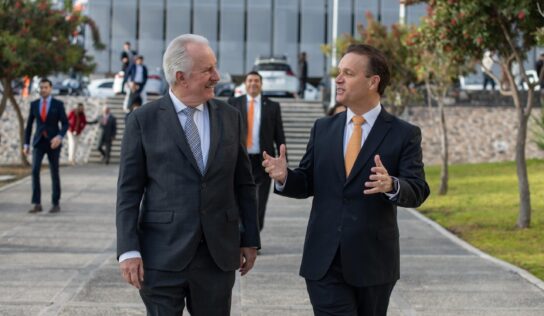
(10, 185)
(522, 272)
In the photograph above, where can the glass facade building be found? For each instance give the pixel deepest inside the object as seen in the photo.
(238, 30)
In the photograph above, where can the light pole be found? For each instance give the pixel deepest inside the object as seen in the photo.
(333, 54)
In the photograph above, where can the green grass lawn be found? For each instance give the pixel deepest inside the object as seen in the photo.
(482, 207)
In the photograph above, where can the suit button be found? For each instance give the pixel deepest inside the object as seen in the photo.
(345, 201)
(203, 185)
(339, 229)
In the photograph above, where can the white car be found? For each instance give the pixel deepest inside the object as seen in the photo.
(101, 88)
(278, 78)
(310, 94)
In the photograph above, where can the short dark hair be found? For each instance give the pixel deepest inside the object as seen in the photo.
(255, 73)
(80, 104)
(44, 80)
(127, 43)
(377, 63)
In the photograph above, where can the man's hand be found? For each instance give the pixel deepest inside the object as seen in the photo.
(276, 167)
(247, 259)
(380, 182)
(26, 150)
(55, 142)
(132, 271)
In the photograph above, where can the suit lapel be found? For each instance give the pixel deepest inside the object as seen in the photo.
(377, 133)
(215, 132)
(170, 119)
(338, 145)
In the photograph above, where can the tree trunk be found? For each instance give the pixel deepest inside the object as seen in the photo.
(9, 94)
(444, 152)
(524, 216)
(4, 100)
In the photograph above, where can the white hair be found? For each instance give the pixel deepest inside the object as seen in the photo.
(176, 57)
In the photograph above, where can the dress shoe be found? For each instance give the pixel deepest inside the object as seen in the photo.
(55, 209)
(36, 209)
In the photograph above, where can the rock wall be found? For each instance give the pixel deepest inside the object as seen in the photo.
(475, 134)
(9, 130)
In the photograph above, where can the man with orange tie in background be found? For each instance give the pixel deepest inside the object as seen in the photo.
(359, 166)
(263, 127)
(48, 113)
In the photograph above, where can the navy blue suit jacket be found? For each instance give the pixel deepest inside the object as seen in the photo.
(363, 227)
(131, 73)
(51, 126)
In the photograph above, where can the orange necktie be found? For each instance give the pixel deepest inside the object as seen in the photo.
(43, 113)
(250, 113)
(354, 144)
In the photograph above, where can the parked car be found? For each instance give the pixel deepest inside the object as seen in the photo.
(278, 78)
(101, 88)
(155, 84)
(311, 93)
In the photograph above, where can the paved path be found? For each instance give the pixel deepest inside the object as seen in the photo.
(64, 264)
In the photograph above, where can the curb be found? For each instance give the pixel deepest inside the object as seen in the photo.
(508, 266)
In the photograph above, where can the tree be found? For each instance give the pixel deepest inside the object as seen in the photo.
(392, 43)
(438, 69)
(510, 28)
(36, 39)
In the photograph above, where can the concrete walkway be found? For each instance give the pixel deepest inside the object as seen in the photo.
(64, 264)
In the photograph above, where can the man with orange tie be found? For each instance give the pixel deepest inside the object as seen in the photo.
(263, 127)
(51, 126)
(359, 166)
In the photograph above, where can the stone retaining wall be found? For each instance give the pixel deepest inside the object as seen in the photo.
(9, 129)
(475, 134)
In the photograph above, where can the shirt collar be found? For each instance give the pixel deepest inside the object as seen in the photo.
(257, 98)
(48, 99)
(180, 106)
(370, 116)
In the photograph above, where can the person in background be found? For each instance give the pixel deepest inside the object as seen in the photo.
(539, 66)
(263, 128)
(487, 63)
(51, 126)
(108, 129)
(337, 108)
(127, 59)
(77, 122)
(302, 74)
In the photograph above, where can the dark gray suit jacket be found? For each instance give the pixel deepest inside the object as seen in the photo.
(179, 206)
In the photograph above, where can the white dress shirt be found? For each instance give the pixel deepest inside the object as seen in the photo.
(255, 149)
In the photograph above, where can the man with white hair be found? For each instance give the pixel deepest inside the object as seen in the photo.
(186, 200)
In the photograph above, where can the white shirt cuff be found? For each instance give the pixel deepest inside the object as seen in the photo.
(129, 255)
(279, 187)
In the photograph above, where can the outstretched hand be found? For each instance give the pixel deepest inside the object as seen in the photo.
(276, 167)
(380, 181)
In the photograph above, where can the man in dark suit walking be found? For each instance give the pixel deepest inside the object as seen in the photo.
(49, 113)
(108, 129)
(263, 128)
(359, 166)
(186, 201)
